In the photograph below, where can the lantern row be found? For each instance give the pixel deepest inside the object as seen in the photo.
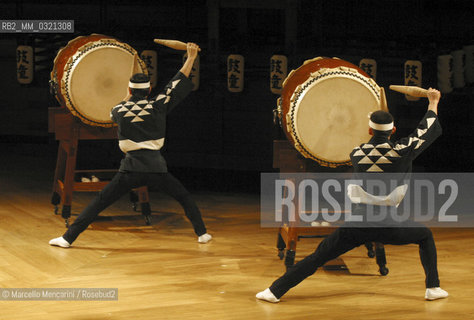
(454, 70)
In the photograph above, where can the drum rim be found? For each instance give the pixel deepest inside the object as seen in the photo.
(72, 63)
(299, 93)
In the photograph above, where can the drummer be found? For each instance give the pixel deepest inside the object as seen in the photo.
(401, 154)
(141, 132)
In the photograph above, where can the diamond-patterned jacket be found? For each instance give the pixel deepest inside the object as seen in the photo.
(142, 126)
(381, 155)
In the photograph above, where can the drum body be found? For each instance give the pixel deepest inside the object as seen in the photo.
(324, 109)
(90, 76)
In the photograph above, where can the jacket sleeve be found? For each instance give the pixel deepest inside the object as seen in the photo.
(428, 130)
(173, 93)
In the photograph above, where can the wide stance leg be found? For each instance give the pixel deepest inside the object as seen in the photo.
(167, 183)
(427, 248)
(337, 243)
(429, 260)
(115, 189)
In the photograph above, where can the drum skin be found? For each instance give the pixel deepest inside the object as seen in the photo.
(64, 67)
(294, 82)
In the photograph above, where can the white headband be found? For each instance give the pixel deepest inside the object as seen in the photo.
(381, 127)
(134, 85)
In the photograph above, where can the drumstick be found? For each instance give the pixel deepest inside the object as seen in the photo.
(174, 44)
(135, 66)
(383, 100)
(135, 69)
(411, 90)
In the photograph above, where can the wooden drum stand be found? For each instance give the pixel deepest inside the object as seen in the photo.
(288, 160)
(69, 130)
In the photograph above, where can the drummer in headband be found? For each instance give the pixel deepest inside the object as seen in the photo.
(141, 132)
(378, 155)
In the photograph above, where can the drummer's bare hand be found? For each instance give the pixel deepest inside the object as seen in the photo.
(192, 50)
(433, 97)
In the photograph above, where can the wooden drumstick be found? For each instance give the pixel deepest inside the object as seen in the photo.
(135, 69)
(411, 90)
(383, 100)
(174, 44)
(135, 65)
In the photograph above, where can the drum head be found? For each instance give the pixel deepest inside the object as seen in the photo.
(324, 108)
(93, 73)
(99, 81)
(329, 121)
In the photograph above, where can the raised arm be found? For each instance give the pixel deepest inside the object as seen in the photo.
(192, 50)
(427, 131)
(433, 97)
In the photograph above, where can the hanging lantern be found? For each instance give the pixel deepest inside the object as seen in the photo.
(413, 76)
(235, 72)
(278, 72)
(150, 59)
(370, 67)
(458, 68)
(445, 73)
(24, 64)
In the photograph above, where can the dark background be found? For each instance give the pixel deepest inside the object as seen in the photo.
(218, 140)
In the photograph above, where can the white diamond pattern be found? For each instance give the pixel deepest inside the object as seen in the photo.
(366, 160)
(137, 119)
(383, 145)
(374, 152)
(420, 132)
(375, 157)
(143, 113)
(136, 109)
(430, 121)
(392, 153)
(383, 160)
(374, 168)
(141, 105)
(420, 142)
(175, 83)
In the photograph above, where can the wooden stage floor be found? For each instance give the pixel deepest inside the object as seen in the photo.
(161, 272)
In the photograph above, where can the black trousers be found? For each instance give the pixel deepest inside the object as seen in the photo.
(121, 184)
(345, 239)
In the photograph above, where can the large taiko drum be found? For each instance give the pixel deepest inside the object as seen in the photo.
(90, 76)
(324, 106)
